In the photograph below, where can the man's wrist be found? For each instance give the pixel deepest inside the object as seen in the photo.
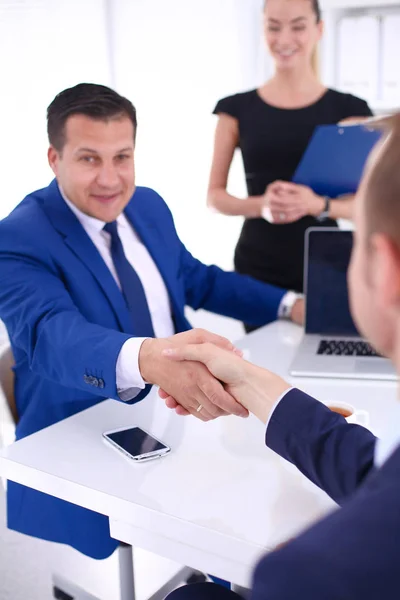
(128, 377)
(287, 303)
(146, 359)
(260, 391)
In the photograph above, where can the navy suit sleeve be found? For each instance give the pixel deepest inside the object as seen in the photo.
(229, 294)
(333, 454)
(349, 555)
(43, 322)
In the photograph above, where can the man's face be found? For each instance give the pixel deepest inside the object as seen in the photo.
(96, 168)
(371, 276)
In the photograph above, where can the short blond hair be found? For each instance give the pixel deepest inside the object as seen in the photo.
(382, 186)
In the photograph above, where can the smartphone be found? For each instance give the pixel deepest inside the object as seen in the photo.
(136, 444)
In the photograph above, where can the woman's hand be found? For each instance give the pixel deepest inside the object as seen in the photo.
(255, 388)
(289, 202)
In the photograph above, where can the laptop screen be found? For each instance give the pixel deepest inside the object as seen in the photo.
(326, 264)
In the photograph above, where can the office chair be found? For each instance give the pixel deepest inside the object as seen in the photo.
(7, 383)
(62, 588)
(8, 409)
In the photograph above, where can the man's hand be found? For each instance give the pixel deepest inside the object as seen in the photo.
(255, 388)
(289, 202)
(188, 385)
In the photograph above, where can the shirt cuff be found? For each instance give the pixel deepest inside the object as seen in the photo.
(128, 377)
(275, 405)
(287, 303)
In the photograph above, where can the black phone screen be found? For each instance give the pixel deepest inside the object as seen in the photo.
(135, 441)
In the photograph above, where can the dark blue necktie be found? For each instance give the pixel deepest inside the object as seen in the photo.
(131, 285)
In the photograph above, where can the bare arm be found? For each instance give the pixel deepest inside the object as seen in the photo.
(339, 208)
(226, 140)
(342, 208)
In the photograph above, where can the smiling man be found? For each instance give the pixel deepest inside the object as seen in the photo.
(99, 177)
(94, 282)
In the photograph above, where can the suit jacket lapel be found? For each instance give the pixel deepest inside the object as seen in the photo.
(76, 238)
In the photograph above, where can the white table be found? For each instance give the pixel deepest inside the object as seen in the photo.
(220, 499)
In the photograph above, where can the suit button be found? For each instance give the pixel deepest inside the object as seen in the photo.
(101, 383)
(95, 382)
(86, 379)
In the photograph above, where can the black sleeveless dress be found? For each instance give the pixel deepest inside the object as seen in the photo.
(272, 141)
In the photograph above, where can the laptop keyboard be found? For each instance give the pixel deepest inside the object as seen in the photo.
(346, 348)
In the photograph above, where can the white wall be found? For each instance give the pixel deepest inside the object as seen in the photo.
(328, 4)
(360, 50)
(174, 60)
(44, 48)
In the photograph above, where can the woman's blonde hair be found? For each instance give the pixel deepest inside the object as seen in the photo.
(315, 61)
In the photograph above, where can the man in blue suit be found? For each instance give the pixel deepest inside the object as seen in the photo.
(353, 553)
(94, 282)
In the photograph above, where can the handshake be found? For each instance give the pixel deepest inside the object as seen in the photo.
(203, 374)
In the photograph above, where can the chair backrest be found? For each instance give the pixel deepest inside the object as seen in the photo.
(7, 380)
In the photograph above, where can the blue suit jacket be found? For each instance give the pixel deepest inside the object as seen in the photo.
(67, 322)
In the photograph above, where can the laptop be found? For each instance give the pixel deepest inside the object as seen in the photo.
(331, 345)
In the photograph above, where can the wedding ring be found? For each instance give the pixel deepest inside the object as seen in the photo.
(198, 409)
(282, 216)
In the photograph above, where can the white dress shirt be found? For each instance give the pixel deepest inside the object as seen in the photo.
(129, 379)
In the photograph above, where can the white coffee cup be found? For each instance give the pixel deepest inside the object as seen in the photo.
(350, 413)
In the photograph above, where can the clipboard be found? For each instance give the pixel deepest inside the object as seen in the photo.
(333, 162)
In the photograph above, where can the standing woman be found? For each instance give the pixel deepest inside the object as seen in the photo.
(272, 126)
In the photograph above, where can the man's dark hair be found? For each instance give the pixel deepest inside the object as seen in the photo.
(90, 99)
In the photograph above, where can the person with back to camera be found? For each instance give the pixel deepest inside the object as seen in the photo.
(353, 552)
(272, 126)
